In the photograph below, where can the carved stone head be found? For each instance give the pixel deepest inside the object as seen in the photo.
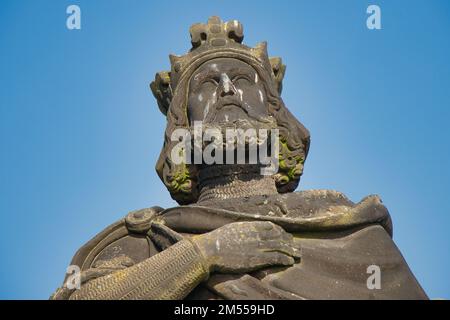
(222, 83)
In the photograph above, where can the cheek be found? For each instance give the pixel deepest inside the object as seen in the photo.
(200, 104)
(261, 93)
(254, 96)
(261, 96)
(194, 107)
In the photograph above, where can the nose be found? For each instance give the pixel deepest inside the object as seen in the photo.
(226, 87)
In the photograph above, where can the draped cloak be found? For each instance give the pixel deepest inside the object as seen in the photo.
(343, 247)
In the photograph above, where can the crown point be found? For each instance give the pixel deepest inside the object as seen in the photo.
(175, 62)
(235, 30)
(261, 45)
(261, 49)
(214, 20)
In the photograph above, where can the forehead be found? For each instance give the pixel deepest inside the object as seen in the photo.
(224, 65)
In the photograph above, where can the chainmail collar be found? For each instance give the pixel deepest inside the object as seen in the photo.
(222, 182)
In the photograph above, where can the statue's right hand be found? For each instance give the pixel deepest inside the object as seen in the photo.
(247, 246)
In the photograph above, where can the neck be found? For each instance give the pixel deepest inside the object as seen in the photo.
(221, 182)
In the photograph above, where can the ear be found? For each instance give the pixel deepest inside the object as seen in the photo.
(162, 90)
(278, 69)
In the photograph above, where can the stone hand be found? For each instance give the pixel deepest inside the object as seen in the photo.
(247, 246)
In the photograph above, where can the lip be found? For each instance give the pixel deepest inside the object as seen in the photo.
(228, 104)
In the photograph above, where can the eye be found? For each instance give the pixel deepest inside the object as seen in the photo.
(211, 80)
(242, 80)
(207, 84)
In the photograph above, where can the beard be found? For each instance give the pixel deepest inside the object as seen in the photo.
(230, 117)
(240, 139)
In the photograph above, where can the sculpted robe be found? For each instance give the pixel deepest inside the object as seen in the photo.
(339, 240)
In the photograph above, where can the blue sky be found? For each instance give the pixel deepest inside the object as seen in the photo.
(81, 132)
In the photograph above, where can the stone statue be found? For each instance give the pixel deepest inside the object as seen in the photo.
(238, 233)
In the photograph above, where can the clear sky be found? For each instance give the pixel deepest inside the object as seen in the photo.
(81, 132)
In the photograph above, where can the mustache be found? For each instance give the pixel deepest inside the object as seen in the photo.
(233, 100)
(220, 103)
(228, 100)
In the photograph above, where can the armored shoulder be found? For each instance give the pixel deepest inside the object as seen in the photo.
(127, 237)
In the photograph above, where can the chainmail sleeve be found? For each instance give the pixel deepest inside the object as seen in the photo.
(170, 274)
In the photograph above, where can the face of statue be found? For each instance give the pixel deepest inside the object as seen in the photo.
(227, 92)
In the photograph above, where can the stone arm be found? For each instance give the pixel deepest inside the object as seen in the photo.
(170, 274)
(174, 272)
